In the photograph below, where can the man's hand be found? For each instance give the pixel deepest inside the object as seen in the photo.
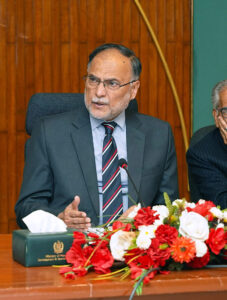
(74, 218)
(222, 125)
(127, 212)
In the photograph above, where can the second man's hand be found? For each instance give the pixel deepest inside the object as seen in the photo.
(74, 218)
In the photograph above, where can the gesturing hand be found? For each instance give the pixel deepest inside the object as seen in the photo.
(74, 218)
(222, 127)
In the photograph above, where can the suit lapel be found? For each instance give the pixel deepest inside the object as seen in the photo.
(135, 150)
(82, 140)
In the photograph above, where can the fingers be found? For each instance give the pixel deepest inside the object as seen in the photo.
(222, 127)
(74, 218)
(75, 203)
(127, 212)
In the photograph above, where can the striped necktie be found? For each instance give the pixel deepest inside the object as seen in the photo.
(111, 177)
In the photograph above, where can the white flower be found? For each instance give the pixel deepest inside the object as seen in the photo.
(220, 225)
(194, 226)
(190, 204)
(147, 230)
(216, 212)
(163, 213)
(179, 202)
(119, 242)
(225, 216)
(143, 241)
(146, 233)
(201, 201)
(201, 248)
(133, 213)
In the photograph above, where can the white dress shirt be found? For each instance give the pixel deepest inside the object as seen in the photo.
(119, 134)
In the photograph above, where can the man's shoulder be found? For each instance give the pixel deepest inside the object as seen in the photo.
(206, 144)
(150, 119)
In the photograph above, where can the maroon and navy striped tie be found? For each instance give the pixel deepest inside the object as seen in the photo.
(111, 177)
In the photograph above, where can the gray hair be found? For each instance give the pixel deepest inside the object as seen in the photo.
(219, 87)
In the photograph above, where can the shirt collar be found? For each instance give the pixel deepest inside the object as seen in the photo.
(120, 120)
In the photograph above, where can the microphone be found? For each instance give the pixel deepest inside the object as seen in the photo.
(124, 165)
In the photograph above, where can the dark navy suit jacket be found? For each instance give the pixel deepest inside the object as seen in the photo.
(207, 164)
(60, 164)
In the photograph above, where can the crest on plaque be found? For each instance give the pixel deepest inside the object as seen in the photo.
(58, 247)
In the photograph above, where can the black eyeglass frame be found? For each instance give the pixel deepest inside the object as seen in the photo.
(104, 81)
(220, 110)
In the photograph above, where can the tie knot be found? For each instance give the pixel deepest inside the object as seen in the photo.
(109, 127)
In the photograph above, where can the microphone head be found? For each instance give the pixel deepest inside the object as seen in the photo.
(123, 163)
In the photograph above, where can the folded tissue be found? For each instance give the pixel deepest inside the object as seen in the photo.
(40, 221)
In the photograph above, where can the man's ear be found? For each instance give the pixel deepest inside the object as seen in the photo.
(134, 89)
(215, 115)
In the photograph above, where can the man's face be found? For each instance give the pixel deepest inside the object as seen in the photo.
(101, 102)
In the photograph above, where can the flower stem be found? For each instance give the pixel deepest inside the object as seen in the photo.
(140, 280)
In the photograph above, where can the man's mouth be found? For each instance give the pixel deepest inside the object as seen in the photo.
(99, 103)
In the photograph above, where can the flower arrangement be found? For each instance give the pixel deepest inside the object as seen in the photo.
(152, 240)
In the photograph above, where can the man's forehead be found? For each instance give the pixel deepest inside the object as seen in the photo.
(223, 97)
(111, 57)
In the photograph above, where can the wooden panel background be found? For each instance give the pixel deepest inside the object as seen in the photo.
(44, 46)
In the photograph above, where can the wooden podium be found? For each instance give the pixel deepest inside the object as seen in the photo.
(19, 282)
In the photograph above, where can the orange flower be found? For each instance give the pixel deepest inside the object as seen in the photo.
(183, 249)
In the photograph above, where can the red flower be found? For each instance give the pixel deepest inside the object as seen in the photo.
(225, 255)
(216, 240)
(96, 240)
(145, 216)
(80, 271)
(102, 260)
(132, 256)
(166, 234)
(199, 262)
(149, 277)
(79, 237)
(75, 255)
(135, 272)
(119, 225)
(145, 261)
(64, 270)
(87, 251)
(203, 209)
(158, 255)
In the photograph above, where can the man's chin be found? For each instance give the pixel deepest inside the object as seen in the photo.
(100, 115)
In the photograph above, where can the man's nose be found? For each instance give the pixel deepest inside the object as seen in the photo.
(101, 90)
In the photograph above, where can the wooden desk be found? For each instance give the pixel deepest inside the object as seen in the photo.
(19, 282)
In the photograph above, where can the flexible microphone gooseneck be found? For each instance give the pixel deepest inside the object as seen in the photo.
(124, 165)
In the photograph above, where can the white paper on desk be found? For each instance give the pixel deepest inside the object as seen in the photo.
(40, 221)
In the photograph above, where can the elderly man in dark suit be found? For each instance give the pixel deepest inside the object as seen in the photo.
(72, 168)
(207, 159)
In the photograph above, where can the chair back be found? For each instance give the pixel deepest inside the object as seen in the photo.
(45, 104)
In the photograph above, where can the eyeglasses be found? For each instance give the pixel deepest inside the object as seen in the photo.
(110, 84)
(223, 112)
